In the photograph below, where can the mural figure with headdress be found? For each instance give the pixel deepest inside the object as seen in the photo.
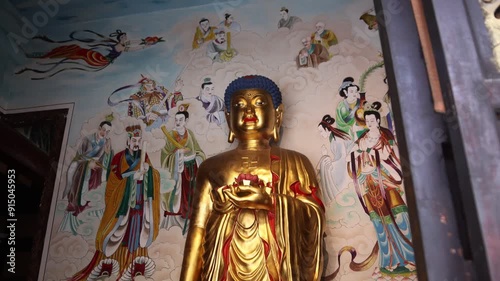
(350, 110)
(213, 104)
(150, 102)
(130, 222)
(375, 168)
(204, 33)
(229, 24)
(97, 53)
(181, 156)
(87, 171)
(332, 168)
(286, 20)
(219, 49)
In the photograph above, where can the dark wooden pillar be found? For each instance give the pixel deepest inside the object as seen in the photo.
(471, 93)
(421, 134)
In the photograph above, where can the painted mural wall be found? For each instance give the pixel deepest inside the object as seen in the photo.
(154, 82)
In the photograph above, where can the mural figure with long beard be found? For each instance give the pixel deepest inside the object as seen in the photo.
(130, 222)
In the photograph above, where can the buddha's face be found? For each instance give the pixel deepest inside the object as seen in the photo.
(252, 114)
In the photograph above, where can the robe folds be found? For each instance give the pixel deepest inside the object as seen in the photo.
(130, 222)
(285, 243)
(316, 54)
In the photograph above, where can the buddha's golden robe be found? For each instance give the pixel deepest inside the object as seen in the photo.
(284, 243)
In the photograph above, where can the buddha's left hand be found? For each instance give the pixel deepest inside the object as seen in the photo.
(249, 197)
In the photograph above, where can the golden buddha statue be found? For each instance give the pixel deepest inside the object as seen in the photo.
(257, 212)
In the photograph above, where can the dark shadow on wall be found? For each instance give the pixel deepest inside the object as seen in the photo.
(29, 153)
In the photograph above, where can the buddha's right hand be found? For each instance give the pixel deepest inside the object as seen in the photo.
(249, 197)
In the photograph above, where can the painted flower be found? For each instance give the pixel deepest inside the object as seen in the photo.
(248, 179)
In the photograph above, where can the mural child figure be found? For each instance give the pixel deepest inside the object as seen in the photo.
(323, 36)
(219, 49)
(86, 172)
(312, 54)
(181, 156)
(204, 33)
(151, 103)
(350, 110)
(99, 52)
(258, 213)
(375, 168)
(131, 218)
(332, 169)
(286, 20)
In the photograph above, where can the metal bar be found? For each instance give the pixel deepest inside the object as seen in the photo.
(420, 132)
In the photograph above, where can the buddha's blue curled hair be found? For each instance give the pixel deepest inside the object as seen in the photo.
(253, 82)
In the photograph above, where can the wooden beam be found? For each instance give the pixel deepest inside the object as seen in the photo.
(420, 133)
(430, 61)
(472, 125)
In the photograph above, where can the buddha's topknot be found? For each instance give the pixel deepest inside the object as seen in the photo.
(252, 82)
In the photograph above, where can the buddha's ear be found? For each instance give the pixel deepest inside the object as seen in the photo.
(279, 115)
(226, 113)
(230, 137)
(278, 122)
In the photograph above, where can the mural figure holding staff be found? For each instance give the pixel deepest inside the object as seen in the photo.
(131, 218)
(219, 49)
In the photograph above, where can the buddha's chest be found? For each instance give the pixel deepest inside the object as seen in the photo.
(249, 164)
